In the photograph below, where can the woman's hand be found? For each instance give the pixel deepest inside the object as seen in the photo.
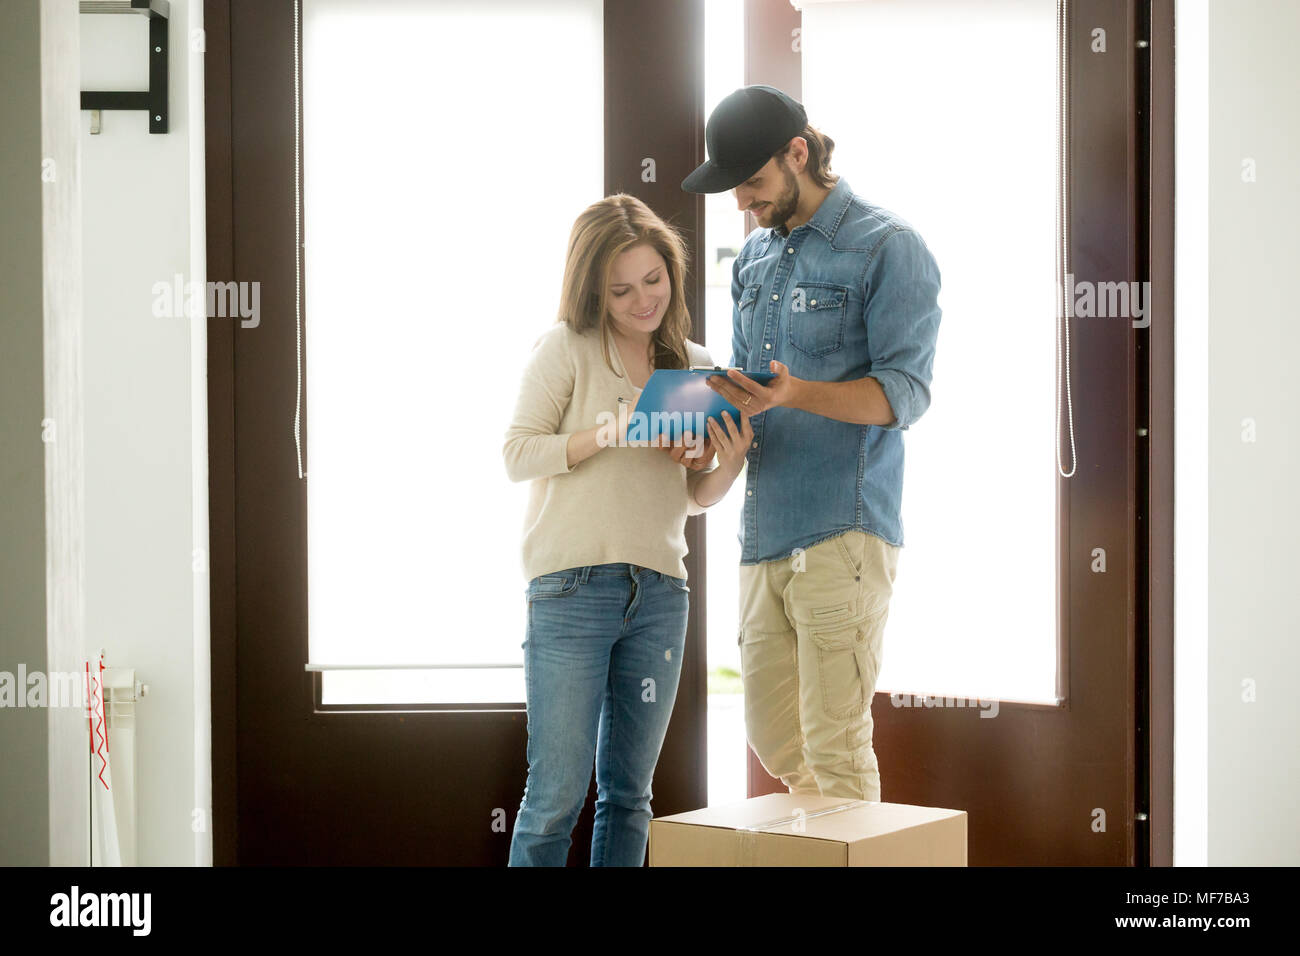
(732, 441)
(681, 452)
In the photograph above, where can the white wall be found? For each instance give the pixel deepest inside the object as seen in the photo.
(145, 605)
(1237, 764)
(44, 812)
(64, 411)
(44, 784)
(1191, 402)
(1254, 511)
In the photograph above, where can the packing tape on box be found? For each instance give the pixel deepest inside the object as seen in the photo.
(747, 851)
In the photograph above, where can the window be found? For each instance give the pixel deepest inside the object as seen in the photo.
(420, 123)
(950, 123)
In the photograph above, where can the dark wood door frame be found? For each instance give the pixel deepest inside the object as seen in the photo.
(292, 784)
(1032, 783)
(1154, 356)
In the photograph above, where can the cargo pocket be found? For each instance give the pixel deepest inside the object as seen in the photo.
(847, 665)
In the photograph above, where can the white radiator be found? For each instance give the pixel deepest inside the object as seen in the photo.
(113, 693)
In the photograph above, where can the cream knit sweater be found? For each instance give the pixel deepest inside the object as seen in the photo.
(621, 504)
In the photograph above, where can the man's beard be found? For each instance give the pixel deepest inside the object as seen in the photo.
(783, 210)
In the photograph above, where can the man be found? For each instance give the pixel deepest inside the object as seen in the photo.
(838, 297)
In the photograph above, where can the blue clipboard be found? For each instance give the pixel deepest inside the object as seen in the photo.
(675, 401)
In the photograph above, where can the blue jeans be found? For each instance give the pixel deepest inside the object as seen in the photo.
(602, 659)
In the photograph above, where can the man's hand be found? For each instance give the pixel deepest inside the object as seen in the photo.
(752, 398)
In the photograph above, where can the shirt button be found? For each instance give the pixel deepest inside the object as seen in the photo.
(812, 301)
(775, 297)
(749, 493)
(767, 345)
(791, 249)
(755, 445)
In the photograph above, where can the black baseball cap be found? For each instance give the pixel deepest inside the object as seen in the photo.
(743, 133)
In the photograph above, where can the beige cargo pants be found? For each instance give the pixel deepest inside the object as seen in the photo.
(811, 630)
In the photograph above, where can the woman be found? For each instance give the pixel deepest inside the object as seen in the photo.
(604, 535)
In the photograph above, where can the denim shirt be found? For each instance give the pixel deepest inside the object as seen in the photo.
(849, 294)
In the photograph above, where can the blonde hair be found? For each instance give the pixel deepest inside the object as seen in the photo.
(603, 231)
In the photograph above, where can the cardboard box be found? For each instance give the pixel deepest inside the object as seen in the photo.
(797, 829)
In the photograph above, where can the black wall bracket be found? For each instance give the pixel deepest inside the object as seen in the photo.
(155, 98)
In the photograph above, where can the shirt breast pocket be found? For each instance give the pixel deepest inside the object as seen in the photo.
(818, 311)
